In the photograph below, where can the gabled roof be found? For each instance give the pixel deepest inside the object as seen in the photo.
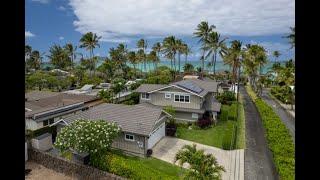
(136, 119)
(205, 86)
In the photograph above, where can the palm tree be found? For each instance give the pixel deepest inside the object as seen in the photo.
(132, 57)
(157, 48)
(142, 44)
(186, 52)
(291, 37)
(188, 68)
(180, 48)
(202, 32)
(141, 56)
(214, 44)
(276, 54)
(71, 50)
(89, 41)
(203, 166)
(232, 58)
(169, 49)
(59, 57)
(152, 57)
(35, 60)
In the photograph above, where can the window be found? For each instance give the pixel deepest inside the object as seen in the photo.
(182, 98)
(167, 95)
(129, 137)
(45, 123)
(195, 115)
(51, 121)
(145, 96)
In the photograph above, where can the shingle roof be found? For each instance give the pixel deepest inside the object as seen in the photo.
(34, 95)
(136, 119)
(207, 86)
(149, 87)
(51, 102)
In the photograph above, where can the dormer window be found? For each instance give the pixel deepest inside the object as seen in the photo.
(145, 96)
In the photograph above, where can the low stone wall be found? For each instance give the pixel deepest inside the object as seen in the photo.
(69, 168)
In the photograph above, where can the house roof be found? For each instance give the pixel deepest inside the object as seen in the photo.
(49, 103)
(146, 104)
(34, 95)
(143, 88)
(204, 85)
(136, 119)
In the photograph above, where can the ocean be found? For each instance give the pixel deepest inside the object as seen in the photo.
(220, 66)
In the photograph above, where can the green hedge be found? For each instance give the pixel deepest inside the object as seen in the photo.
(129, 167)
(279, 139)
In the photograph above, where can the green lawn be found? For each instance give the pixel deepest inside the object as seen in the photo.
(224, 135)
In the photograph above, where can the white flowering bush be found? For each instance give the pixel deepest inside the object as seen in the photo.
(93, 137)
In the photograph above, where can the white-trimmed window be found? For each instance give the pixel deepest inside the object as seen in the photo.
(182, 98)
(195, 115)
(145, 96)
(167, 95)
(129, 137)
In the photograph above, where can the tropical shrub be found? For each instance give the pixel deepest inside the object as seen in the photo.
(282, 93)
(204, 122)
(278, 137)
(226, 97)
(93, 137)
(203, 166)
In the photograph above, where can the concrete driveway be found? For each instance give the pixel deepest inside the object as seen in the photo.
(233, 161)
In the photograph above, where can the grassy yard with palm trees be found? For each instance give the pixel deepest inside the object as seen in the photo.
(228, 133)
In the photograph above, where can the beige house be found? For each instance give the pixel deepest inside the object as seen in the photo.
(142, 126)
(191, 98)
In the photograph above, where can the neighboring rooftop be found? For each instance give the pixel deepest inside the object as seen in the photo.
(53, 101)
(136, 119)
(150, 87)
(35, 95)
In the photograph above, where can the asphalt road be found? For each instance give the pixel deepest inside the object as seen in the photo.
(286, 119)
(258, 163)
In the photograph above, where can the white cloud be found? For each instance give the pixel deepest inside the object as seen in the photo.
(62, 8)
(41, 1)
(61, 38)
(28, 34)
(121, 19)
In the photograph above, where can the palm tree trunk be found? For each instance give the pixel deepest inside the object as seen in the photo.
(214, 63)
(179, 61)
(202, 64)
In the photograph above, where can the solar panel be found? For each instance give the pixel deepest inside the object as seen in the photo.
(190, 86)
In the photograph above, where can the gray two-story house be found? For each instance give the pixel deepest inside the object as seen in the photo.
(191, 98)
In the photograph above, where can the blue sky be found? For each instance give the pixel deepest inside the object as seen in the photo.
(51, 22)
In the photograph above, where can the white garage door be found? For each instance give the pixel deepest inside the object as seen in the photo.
(156, 135)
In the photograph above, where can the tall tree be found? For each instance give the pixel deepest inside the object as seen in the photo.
(89, 41)
(142, 44)
(232, 58)
(170, 49)
(180, 47)
(186, 52)
(141, 56)
(276, 54)
(59, 57)
(35, 60)
(152, 57)
(202, 32)
(291, 37)
(157, 48)
(71, 51)
(214, 45)
(133, 59)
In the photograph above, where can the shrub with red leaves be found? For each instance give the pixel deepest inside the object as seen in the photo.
(204, 122)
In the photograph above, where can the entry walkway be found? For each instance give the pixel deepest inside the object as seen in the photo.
(232, 161)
